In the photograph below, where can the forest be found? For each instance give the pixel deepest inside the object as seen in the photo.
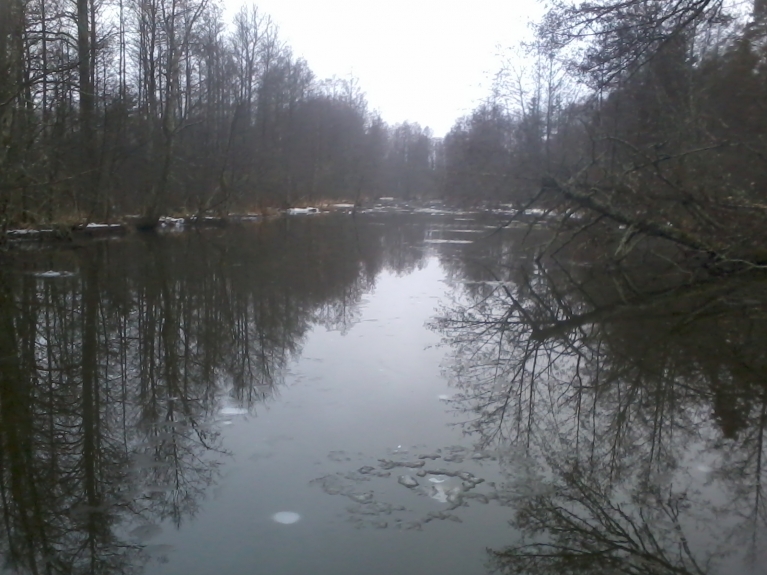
(152, 107)
(638, 118)
(633, 119)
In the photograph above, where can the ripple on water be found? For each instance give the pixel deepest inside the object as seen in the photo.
(286, 517)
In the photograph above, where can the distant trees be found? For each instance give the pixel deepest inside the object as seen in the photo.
(411, 162)
(498, 152)
(151, 106)
(477, 156)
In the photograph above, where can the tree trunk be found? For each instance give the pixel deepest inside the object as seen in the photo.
(86, 95)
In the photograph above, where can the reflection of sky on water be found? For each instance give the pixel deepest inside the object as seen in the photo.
(350, 399)
(275, 399)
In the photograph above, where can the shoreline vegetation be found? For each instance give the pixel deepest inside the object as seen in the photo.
(63, 231)
(60, 231)
(626, 123)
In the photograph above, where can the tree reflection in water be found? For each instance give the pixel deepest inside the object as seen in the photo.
(633, 410)
(112, 378)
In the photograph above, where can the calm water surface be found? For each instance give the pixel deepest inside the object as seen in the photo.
(391, 393)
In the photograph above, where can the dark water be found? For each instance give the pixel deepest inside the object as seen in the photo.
(408, 393)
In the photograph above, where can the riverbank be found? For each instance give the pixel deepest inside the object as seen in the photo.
(68, 231)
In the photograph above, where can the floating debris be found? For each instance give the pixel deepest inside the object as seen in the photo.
(333, 485)
(442, 516)
(408, 481)
(451, 486)
(411, 526)
(454, 458)
(373, 509)
(431, 456)
(445, 493)
(479, 497)
(390, 464)
(480, 455)
(368, 470)
(361, 497)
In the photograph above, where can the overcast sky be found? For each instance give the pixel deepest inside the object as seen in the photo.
(425, 61)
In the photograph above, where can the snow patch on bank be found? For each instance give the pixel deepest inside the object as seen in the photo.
(53, 274)
(302, 211)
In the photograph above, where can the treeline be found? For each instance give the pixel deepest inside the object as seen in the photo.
(644, 115)
(113, 107)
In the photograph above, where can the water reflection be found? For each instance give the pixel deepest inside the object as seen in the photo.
(619, 418)
(632, 408)
(120, 360)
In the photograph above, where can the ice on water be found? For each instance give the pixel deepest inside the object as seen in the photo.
(233, 411)
(286, 517)
(408, 481)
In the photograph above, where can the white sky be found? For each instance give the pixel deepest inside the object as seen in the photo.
(425, 61)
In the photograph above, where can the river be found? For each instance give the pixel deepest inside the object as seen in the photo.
(385, 393)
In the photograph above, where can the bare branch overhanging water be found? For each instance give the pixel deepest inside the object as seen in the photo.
(623, 404)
